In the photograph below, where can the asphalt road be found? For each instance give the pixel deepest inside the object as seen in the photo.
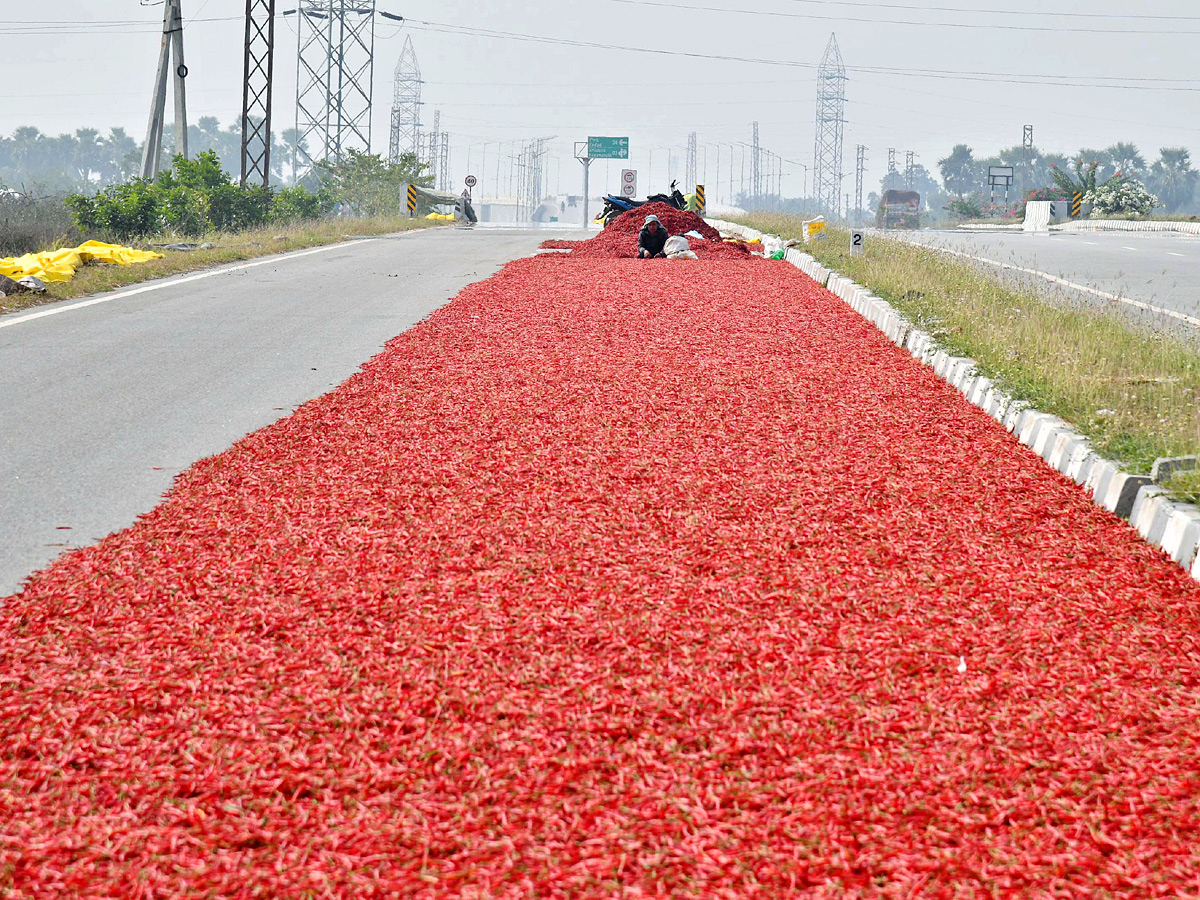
(102, 405)
(1162, 270)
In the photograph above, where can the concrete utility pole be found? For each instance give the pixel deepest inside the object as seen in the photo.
(256, 91)
(756, 165)
(860, 168)
(172, 42)
(690, 177)
(1027, 153)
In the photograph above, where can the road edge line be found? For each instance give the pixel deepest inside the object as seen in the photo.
(1139, 304)
(54, 310)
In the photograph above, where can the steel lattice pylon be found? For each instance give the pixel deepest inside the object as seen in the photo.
(335, 67)
(831, 125)
(256, 91)
(406, 106)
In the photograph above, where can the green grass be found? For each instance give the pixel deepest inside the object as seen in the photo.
(229, 248)
(1134, 391)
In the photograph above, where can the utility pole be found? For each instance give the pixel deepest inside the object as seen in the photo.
(172, 42)
(690, 178)
(444, 162)
(1027, 153)
(756, 166)
(860, 168)
(434, 156)
(256, 92)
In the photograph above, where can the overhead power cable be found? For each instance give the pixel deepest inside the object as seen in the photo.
(1040, 14)
(1107, 81)
(876, 20)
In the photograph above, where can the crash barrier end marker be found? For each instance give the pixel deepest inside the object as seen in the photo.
(412, 200)
(1170, 525)
(701, 205)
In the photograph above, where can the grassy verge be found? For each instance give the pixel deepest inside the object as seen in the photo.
(1133, 391)
(229, 248)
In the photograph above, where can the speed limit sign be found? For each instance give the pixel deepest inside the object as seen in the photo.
(472, 181)
(628, 183)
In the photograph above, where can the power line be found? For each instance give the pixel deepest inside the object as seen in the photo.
(875, 20)
(1107, 81)
(1041, 14)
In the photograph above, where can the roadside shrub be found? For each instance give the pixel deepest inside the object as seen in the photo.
(295, 204)
(1041, 194)
(191, 198)
(1121, 196)
(963, 208)
(184, 210)
(29, 222)
(235, 208)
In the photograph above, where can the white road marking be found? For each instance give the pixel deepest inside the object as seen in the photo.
(1134, 249)
(1092, 243)
(1191, 320)
(1173, 253)
(9, 321)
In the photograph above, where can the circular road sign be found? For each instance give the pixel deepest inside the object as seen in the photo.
(472, 181)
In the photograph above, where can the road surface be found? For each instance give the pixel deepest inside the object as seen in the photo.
(1162, 270)
(103, 405)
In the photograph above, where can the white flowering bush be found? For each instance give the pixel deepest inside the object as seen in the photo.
(1121, 196)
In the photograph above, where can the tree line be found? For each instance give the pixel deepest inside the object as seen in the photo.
(90, 160)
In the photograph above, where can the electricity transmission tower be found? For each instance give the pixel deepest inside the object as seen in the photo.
(172, 42)
(334, 72)
(406, 106)
(860, 168)
(908, 170)
(755, 165)
(256, 91)
(690, 177)
(831, 125)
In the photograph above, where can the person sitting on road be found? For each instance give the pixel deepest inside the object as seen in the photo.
(652, 239)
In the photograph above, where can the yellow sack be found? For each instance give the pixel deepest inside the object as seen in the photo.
(441, 217)
(60, 265)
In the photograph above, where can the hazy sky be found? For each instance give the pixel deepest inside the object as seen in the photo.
(68, 65)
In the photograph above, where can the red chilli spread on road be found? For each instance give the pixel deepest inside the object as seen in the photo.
(611, 577)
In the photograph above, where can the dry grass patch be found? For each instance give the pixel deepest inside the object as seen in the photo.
(1134, 391)
(96, 279)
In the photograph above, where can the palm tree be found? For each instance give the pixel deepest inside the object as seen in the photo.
(1173, 178)
(1127, 160)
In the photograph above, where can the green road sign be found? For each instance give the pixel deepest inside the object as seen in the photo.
(608, 148)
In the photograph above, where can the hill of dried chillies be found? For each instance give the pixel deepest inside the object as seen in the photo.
(619, 239)
(611, 578)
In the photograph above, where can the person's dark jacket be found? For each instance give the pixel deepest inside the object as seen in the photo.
(653, 243)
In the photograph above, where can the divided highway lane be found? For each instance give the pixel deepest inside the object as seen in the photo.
(1162, 270)
(101, 406)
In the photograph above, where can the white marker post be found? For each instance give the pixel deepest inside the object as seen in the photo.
(858, 240)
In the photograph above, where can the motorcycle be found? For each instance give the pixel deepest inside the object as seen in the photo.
(614, 205)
